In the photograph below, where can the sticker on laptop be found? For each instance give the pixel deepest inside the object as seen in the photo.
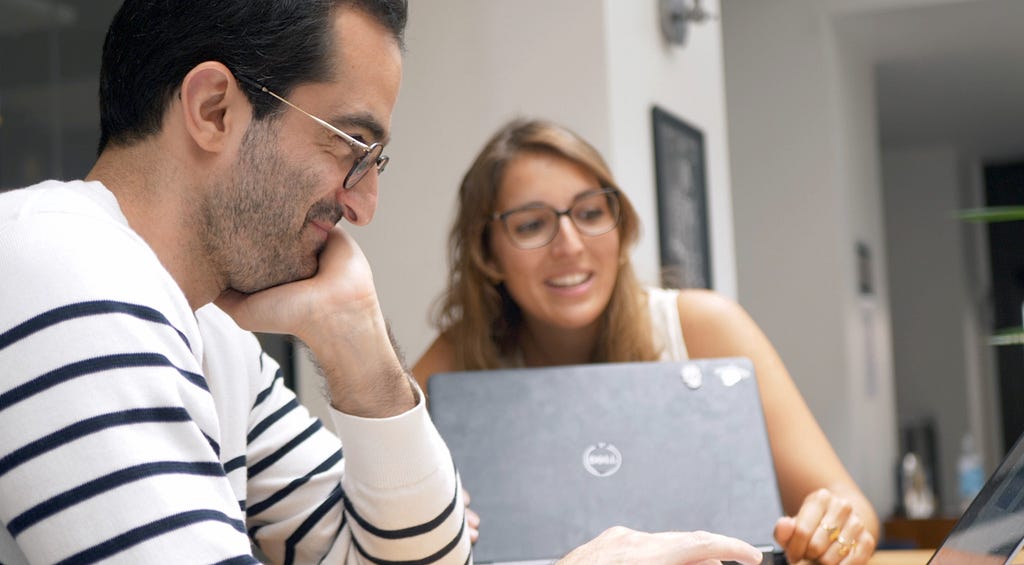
(693, 378)
(602, 459)
(732, 374)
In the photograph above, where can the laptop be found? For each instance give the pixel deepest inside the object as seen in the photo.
(991, 530)
(554, 456)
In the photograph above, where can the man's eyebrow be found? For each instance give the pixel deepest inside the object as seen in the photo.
(364, 121)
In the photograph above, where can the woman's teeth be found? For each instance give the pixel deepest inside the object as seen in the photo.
(569, 280)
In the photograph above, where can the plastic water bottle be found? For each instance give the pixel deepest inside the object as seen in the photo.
(970, 473)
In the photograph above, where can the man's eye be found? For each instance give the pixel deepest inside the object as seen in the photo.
(346, 142)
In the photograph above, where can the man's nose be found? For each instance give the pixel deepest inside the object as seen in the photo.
(361, 199)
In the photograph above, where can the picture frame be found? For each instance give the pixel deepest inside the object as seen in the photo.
(683, 235)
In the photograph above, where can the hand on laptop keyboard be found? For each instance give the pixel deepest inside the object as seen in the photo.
(472, 519)
(621, 545)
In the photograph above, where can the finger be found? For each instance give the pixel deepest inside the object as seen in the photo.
(806, 521)
(472, 520)
(695, 547)
(340, 250)
(784, 529)
(862, 550)
(846, 546)
(830, 527)
(465, 496)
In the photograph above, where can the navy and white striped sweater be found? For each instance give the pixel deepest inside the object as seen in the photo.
(133, 430)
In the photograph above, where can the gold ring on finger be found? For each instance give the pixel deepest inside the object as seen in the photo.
(832, 531)
(845, 545)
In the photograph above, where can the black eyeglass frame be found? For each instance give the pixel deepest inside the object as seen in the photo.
(611, 193)
(372, 154)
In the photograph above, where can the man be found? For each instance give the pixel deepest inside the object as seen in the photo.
(140, 423)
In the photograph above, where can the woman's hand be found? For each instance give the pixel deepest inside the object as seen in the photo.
(825, 530)
(472, 519)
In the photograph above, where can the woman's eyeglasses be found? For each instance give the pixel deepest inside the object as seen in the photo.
(594, 212)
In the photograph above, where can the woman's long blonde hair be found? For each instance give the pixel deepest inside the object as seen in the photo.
(475, 312)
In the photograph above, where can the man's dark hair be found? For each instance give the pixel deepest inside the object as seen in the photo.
(152, 44)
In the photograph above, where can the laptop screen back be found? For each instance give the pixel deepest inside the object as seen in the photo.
(992, 527)
(552, 457)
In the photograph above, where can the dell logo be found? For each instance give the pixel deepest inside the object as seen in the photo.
(602, 460)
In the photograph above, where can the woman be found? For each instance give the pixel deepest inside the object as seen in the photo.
(540, 275)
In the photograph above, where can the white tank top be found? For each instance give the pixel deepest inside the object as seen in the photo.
(665, 328)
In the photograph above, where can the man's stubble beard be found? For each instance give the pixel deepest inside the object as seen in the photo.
(248, 223)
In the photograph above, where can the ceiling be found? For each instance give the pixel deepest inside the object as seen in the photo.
(947, 71)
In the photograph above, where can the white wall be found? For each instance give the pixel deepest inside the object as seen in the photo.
(941, 302)
(806, 190)
(869, 349)
(595, 67)
(689, 82)
(922, 193)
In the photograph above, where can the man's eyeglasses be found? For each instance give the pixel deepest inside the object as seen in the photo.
(368, 155)
(594, 212)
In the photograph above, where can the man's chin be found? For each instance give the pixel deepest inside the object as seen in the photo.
(280, 279)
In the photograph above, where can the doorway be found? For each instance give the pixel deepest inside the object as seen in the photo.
(1004, 186)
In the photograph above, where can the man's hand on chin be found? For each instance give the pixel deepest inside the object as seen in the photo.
(337, 314)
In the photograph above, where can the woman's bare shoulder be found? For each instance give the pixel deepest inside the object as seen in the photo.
(714, 324)
(438, 358)
(707, 306)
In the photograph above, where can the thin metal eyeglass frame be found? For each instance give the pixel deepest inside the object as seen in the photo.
(381, 160)
(607, 192)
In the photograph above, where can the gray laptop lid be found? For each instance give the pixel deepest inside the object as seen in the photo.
(991, 530)
(553, 456)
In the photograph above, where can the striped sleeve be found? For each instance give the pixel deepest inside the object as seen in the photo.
(388, 493)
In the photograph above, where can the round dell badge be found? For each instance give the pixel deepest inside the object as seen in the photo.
(602, 460)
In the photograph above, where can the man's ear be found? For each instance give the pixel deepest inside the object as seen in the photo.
(214, 109)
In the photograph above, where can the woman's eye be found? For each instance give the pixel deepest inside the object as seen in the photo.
(530, 226)
(590, 214)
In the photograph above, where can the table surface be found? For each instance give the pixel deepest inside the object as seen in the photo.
(901, 557)
(915, 557)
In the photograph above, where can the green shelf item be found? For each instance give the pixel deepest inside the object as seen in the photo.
(987, 215)
(1007, 336)
(992, 214)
